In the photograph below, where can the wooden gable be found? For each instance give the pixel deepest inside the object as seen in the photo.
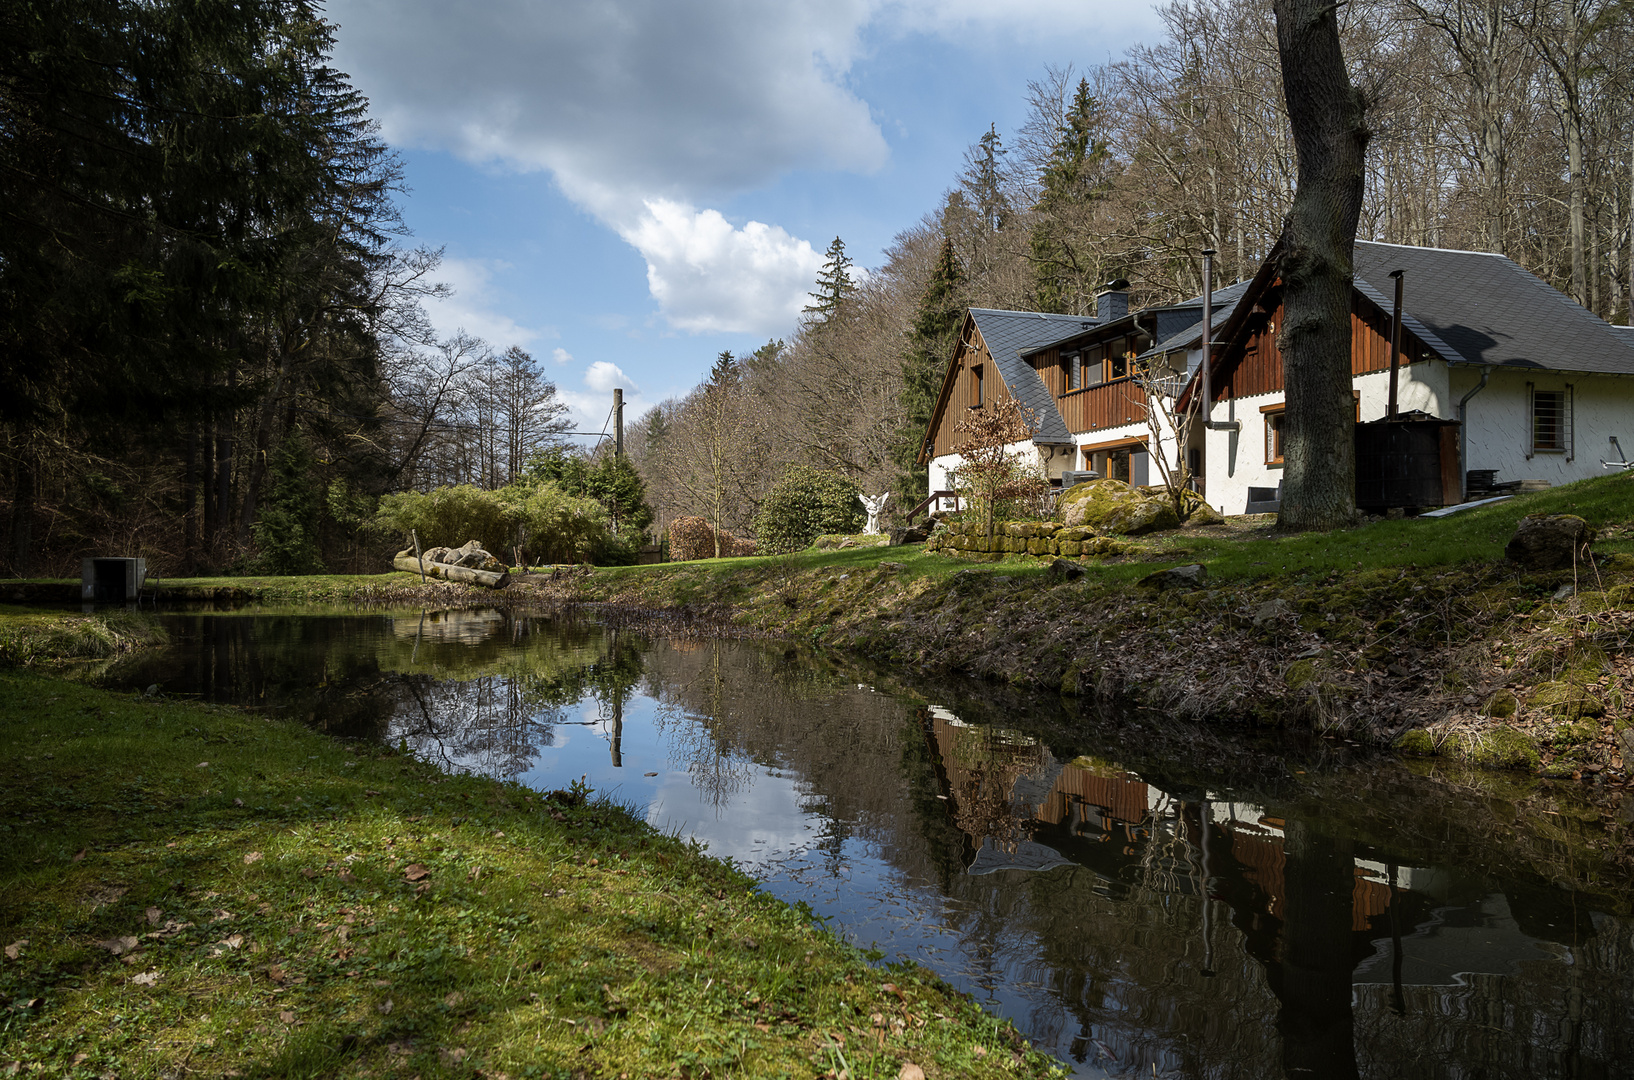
(972, 379)
(1251, 363)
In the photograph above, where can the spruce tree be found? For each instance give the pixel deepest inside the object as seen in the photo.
(930, 345)
(834, 285)
(1064, 273)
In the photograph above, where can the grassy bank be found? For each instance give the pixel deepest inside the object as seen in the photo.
(35, 635)
(191, 890)
(1414, 632)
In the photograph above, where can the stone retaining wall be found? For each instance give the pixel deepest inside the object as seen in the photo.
(1045, 539)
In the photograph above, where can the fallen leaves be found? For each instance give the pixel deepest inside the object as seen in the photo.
(153, 916)
(15, 948)
(252, 857)
(287, 1016)
(910, 1071)
(119, 945)
(415, 872)
(146, 978)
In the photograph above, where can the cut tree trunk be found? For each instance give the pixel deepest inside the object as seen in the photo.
(1326, 114)
(492, 579)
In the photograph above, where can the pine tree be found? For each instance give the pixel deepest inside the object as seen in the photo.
(930, 344)
(1063, 276)
(834, 285)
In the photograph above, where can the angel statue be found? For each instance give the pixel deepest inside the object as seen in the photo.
(873, 504)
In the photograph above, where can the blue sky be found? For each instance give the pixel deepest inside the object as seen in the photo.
(626, 187)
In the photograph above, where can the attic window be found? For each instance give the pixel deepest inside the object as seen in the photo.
(976, 387)
(1551, 414)
(1072, 376)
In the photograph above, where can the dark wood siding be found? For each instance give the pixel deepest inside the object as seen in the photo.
(945, 435)
(1258, 368)
(1108, 405)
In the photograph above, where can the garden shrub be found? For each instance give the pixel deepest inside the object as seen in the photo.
(694, 538)
(804, 504)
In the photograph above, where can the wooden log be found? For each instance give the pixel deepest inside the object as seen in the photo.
(444, 572)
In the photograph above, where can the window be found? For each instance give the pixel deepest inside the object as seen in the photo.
(976, 387)
(1117, 363)
(1117, 464)
(1551, 414)
(1274, 417)
(1072, 376)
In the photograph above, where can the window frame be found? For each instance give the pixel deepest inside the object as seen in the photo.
(1563, 421)
(976, 386)
(1274, 416)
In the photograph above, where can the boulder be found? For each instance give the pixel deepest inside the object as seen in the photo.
(912, 534)
(1176, 577)
(1549, 542)
(1114, 506)
(1062, 570)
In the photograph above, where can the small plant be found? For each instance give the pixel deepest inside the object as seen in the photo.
(991, 476)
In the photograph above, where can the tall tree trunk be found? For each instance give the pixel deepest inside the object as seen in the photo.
(22, 511)
(1326, 115)
(1631, 227)
(190, 498)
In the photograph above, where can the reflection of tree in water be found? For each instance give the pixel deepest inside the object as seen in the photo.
(495, 723)
(717, 769)
(490, 725)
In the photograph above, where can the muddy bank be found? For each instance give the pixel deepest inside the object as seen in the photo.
(1481, 662)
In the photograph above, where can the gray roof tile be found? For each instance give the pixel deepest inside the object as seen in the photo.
(1010, 334)
(1485, 309)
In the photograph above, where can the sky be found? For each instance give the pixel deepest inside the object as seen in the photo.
(625, 188)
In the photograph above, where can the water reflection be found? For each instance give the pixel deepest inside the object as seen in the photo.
(1137, 913)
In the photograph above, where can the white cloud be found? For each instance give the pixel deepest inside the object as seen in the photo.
(590, 404)
(472, 307)
(708, 275)
(644, 111)
(561, 355)
(605, 376)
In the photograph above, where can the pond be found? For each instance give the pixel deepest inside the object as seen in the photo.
(1142, 899)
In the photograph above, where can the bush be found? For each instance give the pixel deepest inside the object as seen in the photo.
(804, 504)
(552, 525)
(694, 538)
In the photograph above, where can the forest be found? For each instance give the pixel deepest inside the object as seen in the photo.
(216, 354)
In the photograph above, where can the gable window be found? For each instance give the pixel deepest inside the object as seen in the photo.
(1551, 421)
(976, 387)
(1275, 415)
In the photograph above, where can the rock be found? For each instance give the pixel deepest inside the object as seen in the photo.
(1176, 577)
(1272, 611)
(1062, 570)
(1502, 705)
(1549, 542)
(1114, 506)
(1566, 700)
(912, 534)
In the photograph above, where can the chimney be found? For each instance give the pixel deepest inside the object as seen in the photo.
(1113, 301)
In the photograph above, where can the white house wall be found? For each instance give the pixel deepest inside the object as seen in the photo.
(1602, 406)
(939, 475)
(1235, 460)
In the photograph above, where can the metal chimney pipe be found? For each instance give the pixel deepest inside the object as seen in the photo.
(1395, 344)
(1208, 325)
(618, 422)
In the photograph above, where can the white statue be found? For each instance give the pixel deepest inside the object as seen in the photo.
(873, 504)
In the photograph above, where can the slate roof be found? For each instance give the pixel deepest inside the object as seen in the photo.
(1225, 303)
(1010, 334)
(1624, 332)
(1478, 308)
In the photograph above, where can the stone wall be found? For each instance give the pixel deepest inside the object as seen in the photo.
(1045, 539)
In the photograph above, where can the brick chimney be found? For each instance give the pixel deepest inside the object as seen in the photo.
(1113, 301)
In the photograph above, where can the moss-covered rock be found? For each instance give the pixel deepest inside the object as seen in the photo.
(1114, 506)
(1418, 742)
(1502, 705)
(1299, 673)
(1574, 733)
(1567, 700)
(1499, 747)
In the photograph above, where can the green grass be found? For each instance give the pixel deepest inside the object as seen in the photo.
(30, 635)
(186, 889)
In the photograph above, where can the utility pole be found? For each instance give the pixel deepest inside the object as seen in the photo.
(618, 421)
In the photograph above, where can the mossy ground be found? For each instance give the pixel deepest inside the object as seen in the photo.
(187, 890)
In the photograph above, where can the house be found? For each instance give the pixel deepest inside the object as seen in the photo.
(1538, 384)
